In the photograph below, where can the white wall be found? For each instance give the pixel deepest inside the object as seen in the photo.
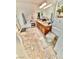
(26, 8)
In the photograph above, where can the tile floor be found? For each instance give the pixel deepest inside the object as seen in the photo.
(33, 48)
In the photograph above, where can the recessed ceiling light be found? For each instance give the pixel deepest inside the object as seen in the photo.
(42, 5)
(48, 6)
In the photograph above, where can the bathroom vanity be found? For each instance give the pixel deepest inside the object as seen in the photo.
(44, 26)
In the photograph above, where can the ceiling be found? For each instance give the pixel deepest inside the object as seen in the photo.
(29, 3)
(29, 6)
(37, 2)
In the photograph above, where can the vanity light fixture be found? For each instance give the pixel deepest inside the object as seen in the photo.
(42, 5)
(48, 6)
